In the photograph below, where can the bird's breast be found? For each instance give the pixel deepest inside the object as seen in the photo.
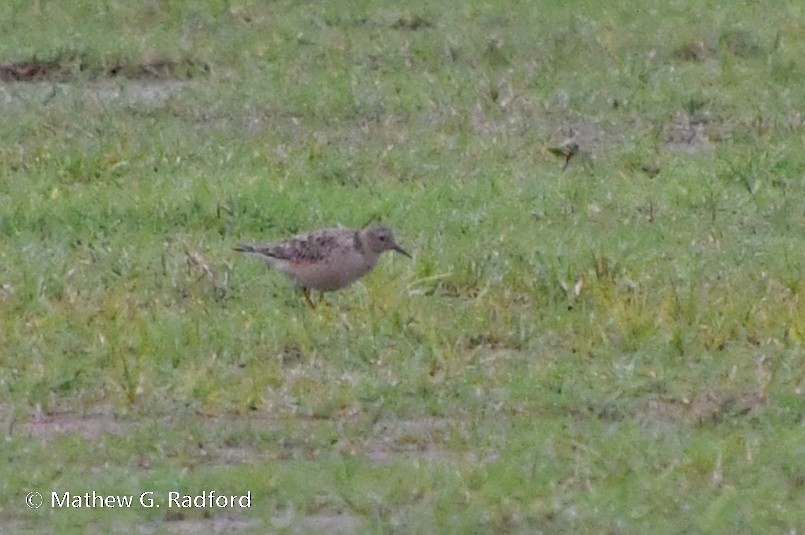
(333, 273)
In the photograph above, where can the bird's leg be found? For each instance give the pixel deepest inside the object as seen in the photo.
(322, 299)
(306, 293)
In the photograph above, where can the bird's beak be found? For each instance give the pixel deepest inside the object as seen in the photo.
(401, 250)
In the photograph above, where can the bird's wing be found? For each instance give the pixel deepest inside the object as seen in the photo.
(311, 247)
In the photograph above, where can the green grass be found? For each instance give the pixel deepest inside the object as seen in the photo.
(593, 350)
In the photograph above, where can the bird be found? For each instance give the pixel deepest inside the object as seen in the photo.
(327, 259)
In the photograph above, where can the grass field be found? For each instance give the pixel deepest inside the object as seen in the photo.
(611, 347)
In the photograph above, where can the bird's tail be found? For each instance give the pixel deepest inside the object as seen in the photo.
(245, 249)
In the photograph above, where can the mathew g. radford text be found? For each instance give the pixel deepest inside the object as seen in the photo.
(205, 500)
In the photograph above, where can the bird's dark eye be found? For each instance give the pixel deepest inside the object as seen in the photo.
(383, 238)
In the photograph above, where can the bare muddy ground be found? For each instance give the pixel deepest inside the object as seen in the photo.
(72, 67)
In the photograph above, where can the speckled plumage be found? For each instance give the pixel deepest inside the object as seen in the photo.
(327, 259)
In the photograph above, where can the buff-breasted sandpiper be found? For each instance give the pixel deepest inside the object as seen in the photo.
(327, 259)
